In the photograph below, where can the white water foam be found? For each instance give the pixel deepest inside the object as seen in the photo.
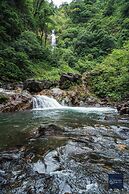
(46, 103)
(43, 102)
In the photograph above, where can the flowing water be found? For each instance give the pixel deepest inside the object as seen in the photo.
(94, 142)
(53, 39)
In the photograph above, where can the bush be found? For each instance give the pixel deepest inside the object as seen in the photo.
(112, 78)
(14, 65)
(84, 64)
(29, 43)
(96, 43)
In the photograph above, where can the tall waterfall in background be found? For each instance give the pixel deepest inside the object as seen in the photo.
(42, 102)
(53, 39)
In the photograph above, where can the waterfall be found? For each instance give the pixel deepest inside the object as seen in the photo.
(53, 39)
(45, 102)
(41, 102)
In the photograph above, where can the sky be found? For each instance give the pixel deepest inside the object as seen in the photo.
(59, 2)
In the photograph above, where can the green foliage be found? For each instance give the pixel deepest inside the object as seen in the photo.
(10, 23)
(90, 38)
(44, 71)
(96, 43)
(81, 11)
(109, 8)
(14, 65)
(29, 43)
(43, 12)
(93, 37)
(85, 64)
(112, 78)
(20, 47)
(125, 9)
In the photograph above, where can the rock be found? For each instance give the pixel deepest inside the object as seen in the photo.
(34, 86)
(123, 108)
(16, 102)
(57, 92)
(69, 79)
(66, 101)
(49, 130)
(11, 86)
(3, 98)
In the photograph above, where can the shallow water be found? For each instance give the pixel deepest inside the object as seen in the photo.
(14, 126)
(95, 142)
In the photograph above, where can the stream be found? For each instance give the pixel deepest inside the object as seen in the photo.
(92, 143)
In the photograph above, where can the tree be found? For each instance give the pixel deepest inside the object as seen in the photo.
(43, 12)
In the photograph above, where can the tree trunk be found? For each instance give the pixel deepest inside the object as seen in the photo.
(41, 37)
(45, 41)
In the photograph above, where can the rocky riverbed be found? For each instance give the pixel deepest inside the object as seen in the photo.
(73, 155)
(18, 99)
(70, 90)
(69, 159)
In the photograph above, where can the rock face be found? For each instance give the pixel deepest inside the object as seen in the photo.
(77, 95)
(123, 108)
(69, 79)
(34, 86)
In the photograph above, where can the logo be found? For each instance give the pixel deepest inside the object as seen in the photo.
(115, 181)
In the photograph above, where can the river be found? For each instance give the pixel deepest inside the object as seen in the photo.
(94, 143)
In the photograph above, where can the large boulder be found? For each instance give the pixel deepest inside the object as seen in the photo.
(68, 80)
(16, 102)
(34, 86)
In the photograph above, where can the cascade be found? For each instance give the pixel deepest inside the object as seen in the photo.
(42, 102)
(53, 39)
(45, 102)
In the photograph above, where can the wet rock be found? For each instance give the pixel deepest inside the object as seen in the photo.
(79, 165)
(69, 79)
(49, 130)
(2, 178)
(9, 156)
(30, 190)
(123, 108)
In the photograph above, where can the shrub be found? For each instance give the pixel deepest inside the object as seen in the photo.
(29, 43)
(112, 77)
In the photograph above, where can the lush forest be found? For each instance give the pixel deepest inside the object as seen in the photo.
(92, 38)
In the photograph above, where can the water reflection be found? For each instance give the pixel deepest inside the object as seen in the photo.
(15, 126)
